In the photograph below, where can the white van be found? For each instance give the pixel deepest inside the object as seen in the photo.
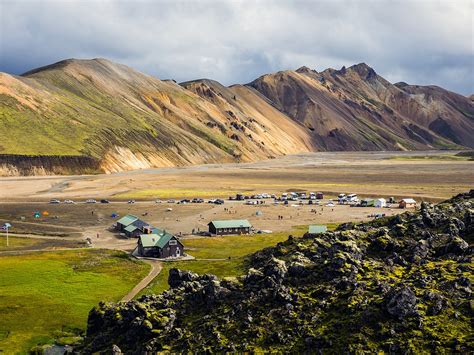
(341, 198)
(352, 198)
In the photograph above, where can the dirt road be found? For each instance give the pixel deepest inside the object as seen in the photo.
(156, 268)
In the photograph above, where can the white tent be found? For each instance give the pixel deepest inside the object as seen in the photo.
(380, 202)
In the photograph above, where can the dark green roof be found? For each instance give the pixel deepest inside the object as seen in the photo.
(155, 240)
(317, 229)
(127, 220)
(232, 223)
(131, 228)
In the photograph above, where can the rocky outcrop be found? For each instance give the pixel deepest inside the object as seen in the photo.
(397, 285)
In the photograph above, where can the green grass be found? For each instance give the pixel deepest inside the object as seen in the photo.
(430, 157)
(43, 294)
(232, 249)
(173, 193)
(236, 246)
(17, 243)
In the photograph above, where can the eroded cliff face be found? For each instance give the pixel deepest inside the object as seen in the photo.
(23, 165)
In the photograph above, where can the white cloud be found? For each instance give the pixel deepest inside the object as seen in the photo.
(424, 42)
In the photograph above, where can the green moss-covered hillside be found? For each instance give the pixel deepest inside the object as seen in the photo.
(397, 285)
(128, 120)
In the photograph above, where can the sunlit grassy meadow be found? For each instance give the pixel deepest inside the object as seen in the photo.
(47, 296)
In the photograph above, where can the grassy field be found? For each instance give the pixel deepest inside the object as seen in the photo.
(235, 246)
(166, 193)
(17, 243)
(447, 156)
(48, 296)
(232, 249)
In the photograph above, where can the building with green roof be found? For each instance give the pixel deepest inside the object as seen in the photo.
(317, 229)
(227, 227)
(124, 222)
(162, 245)
(132, 231)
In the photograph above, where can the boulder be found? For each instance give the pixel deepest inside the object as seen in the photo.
(178, 277)
(276, 269)
(401, 303)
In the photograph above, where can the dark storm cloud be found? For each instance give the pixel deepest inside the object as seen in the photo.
(423, 42)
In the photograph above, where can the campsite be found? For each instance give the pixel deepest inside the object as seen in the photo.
(164, 199)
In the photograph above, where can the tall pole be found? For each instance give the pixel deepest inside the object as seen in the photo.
(7, 237)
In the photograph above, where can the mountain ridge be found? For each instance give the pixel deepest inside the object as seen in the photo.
(129, 120)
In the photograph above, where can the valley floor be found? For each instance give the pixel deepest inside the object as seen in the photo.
(33, 261)
(433, 175)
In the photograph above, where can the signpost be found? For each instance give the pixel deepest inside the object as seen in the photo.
(6, 226)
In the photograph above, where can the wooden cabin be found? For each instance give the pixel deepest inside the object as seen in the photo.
(163, 245)
(124, 222)
(228, 227)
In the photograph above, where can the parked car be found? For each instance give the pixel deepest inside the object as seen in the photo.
(69, 202)
(91, 201)
(219, 201)
(54, 202)
(171, 201)
(197, 200)
(104, 201)
(131, 201)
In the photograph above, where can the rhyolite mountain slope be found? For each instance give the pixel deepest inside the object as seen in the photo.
(113, 118)
(128, 120)
(356, 109)
(401, 284)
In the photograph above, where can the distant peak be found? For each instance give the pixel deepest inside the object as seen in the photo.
(364, 71)
(58, 65)
(401, 84)
(361, 69)
(305, 69)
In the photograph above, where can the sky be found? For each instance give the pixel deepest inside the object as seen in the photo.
(425, 42)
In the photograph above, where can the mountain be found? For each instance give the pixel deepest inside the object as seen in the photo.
(356, 109)
(82, 116)
(397, 285)
(124, 119)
